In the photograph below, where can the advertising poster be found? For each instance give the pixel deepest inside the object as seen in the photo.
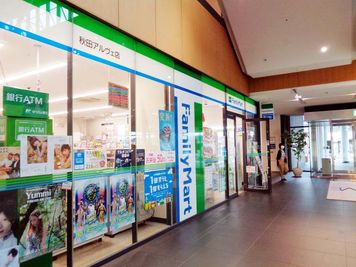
(158, 188)
(166, 130)
(90, 209)
(42, 220)
(9, 162)
(140, 157)
(9, 257)
(60, 153)
(34, 151)
(123, 158)
(9, 226)
(95, 159)
(78, 160)
(122, 197)
(110, 158)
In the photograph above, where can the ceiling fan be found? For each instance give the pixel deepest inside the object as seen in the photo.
(298, 97)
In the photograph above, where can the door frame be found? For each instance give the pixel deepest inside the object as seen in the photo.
(232, 115)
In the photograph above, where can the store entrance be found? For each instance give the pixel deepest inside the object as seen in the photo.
(258, 160)
(332, 148)
(235, 141)
(343, 146)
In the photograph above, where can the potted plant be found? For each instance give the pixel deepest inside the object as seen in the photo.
(296, 141)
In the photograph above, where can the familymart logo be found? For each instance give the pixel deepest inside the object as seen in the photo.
(186, 164)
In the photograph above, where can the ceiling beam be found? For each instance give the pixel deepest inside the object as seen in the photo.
(304, 78)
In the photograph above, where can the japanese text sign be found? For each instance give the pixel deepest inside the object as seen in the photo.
(24, 103)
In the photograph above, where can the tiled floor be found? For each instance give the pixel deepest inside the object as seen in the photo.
(295, 226)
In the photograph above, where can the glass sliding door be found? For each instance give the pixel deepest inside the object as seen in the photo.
(231, 145)
(342, 146)
(235, 162)
(258, 161)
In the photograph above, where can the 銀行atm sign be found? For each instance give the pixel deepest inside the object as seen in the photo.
(24, 103)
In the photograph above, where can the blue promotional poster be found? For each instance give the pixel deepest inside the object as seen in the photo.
(166, 130)
(158, 188)
(79, 160)
(122, 193)
(90, 209)
(123, 158)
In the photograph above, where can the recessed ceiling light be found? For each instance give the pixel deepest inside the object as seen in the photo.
(323, 49)
(2, 43)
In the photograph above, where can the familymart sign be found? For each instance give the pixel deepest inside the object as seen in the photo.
(24, 103)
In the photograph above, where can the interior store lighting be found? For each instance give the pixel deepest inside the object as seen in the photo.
(61, 99)
(80, 110)
(33, 73)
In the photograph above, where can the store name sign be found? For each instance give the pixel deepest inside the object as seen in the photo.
(186, 158)
(235, 102)
(24, 103)
(99, 47)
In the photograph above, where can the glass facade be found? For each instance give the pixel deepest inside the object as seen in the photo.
(103, 138)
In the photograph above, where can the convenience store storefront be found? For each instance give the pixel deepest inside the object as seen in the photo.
(104, 138)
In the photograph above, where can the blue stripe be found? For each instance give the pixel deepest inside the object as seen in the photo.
(33, 36)
(177, 159)
(50, 42)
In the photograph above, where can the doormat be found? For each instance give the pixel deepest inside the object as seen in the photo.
(342, 190)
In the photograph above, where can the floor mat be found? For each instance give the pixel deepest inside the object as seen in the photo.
(342, 190)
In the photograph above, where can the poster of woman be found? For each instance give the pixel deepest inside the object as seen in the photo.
(42, 215)
(60, 153)
(34, 153)
(122, 195)
(90, 209)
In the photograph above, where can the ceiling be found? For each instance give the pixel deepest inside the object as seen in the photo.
(284, 101)
(284, 36)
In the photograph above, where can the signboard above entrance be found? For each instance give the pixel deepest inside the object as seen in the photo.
(24, 103)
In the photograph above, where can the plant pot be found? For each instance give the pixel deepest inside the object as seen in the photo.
(297, 172)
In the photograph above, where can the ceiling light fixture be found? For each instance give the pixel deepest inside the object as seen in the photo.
(323, 49)
(33, 73)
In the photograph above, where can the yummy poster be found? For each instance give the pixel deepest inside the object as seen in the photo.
(9, 162)
(34, 151)
(60, 153)
(122, 195)
(166, 130)
(90, 209)
(42, 220)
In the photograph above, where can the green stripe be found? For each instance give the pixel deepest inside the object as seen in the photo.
(187, 71)
(250, 100)
(235, 94)
(199, 162)
(212, 82)
(154, 54)
(266, 106)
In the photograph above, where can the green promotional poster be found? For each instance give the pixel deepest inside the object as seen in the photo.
(25, 126)
(24, 103)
